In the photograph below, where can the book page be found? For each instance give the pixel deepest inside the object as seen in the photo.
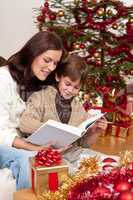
(59, 133)
(84, 125)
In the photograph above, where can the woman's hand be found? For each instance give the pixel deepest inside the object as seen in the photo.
(20, 143)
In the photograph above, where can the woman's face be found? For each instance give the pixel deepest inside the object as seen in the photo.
(45, 63)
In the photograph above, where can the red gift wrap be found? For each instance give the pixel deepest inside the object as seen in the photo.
(48, 171)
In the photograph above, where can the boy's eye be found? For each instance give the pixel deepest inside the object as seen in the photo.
(67, 84)
(77, 87)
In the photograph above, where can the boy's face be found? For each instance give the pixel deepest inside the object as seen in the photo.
(67, 87)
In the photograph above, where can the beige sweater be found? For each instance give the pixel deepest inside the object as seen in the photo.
(41, 107)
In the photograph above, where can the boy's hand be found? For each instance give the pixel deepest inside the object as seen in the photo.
(90, 137)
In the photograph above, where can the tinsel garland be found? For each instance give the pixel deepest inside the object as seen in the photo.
(90, 183)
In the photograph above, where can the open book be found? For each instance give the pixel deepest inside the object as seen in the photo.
(63, 134)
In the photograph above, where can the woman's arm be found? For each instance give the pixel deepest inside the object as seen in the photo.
(30, 120)
(20, 143)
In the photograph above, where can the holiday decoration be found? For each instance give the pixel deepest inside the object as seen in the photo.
(99, 31)
(48, 171)
(115, 184)
(119, 131)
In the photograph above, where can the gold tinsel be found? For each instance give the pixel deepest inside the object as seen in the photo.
(61, 194)
(126, 157)
(88, 167)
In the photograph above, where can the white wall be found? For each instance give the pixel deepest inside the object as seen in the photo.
(16, 24)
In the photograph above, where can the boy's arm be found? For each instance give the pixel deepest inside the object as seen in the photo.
(30, 120)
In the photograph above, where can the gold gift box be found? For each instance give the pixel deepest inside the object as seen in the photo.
(119, 131)
(130, 131)
(40, 176)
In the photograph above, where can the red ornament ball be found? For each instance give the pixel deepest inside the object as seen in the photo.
(128, 195)
(108, 160)
(52, 16)
(82, 46)
(101, 191)
(40, 18)
(122, 186)
(46, 4)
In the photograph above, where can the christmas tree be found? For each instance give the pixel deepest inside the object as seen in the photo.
(100, 31)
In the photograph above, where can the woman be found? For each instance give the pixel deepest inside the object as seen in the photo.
(25, 72)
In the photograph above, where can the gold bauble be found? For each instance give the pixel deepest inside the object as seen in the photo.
(97, 55)
(109, 12)
(131, 20)
(115, 26)
(76, 45)
(86, 97)
(100, 11)
(61, 13)
(131, 115)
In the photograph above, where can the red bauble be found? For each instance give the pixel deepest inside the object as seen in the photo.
(129, 28)
(40, 18)
(46, 4)
(82, 46)
(52, 16)
(108, 160)
(101, 191)
(121, 186)
(128, 195)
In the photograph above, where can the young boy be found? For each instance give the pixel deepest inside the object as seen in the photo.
(58, 102)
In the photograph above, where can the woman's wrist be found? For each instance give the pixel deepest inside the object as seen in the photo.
(20, 143)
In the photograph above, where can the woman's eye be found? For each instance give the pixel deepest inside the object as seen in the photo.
(46, 60)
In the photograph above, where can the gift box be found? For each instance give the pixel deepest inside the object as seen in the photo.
(119, 131)
(129, 84)
(47, 178)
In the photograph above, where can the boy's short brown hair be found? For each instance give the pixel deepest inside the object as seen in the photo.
(74, 67)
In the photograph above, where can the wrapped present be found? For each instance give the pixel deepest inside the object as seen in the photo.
(119, 131)
(48, 171)
(129, 84)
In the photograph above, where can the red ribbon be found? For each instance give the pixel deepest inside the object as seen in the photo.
(53, 181)
(117, 131)
(48, 157)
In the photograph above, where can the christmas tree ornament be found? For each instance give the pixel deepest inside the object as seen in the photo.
(101, 191)
(129, 28)
(103, 25)
(76, 45)
(97, 55)
(109, 12)
(82, 46)
(40, 18)
(46, 4)
(100, 11)
(131, 20)
(128, 195)
(115, 26)
(61, 13)
(52, 16)
(122, 185)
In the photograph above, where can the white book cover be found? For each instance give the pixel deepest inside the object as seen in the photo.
(62, 134)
